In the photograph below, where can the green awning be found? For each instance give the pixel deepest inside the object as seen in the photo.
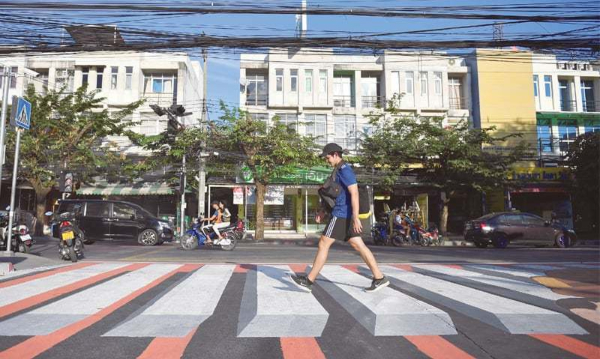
(136, 189)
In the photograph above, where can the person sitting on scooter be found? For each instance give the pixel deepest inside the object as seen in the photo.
(214, 219)
(225, 218)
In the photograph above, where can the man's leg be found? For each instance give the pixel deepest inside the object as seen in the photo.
(367, 256)
(321, 257)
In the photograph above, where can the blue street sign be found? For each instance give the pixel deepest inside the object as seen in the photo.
(22, 116)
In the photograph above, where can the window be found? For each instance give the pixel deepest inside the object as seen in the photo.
(370, 90)
(99, 77)
(85, 76)
(438, 82)
(293, 80)
(566, 103)
(289, 119)
(97, 209)
(455, 93)
(323, 81)
(395, 83)
(535, 86)
(13, 79)
(256, 91)
(567, 132)
(160, 83)
(548, 85)
(308, 77)
(279, 80)
(114, 73)
(342, 91)
(148, 126)
(532, 221)
(544, 134)
(423, 76)
(345, 131)
(512, 219)
(592, 126)
(587, 96)
(316, 126)
(128, 77)
(410, 82)
(64, 78)
(123, 211)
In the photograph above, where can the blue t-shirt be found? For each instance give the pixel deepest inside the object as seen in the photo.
(343, 203)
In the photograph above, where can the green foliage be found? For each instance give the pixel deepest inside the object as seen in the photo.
(584, 160)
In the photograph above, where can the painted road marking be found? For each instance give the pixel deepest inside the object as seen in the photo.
(386, 312)
(301, 348)
(54, 316)
(571, 345)
(272, 306)
(437, 347)
(551, 282)
(15, 293)
(20, 280)
(506, 270)
(506, 314)
(167, 348)
(19, 273)
(182, 309)
(529, 288)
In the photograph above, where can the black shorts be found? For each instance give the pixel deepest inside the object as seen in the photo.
(341, 229)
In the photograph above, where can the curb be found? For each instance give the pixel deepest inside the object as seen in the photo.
(6, 268)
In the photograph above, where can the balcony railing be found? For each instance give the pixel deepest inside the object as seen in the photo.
(568, 105)
(343, 101)
(257, 101)
(161, 99)
(554, 147)
(373, 101)
(591, 106)
(458, 103)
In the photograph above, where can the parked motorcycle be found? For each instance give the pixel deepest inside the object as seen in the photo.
(21, 238)
(70, 243)
(380, 234)
(197, 236)
(429, 236)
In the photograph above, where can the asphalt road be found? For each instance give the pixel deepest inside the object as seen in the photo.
(126, 301)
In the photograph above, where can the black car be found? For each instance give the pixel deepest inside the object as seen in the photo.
(109, 220)
(500, 229)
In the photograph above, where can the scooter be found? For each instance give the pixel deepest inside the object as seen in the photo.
(429, 237)
(70, 244)
(197, 236)
(21, 239)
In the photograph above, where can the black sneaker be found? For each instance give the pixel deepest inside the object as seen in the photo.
(302, 282)
(377, 284)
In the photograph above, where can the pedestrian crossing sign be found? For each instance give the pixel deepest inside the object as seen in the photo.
(22, 115)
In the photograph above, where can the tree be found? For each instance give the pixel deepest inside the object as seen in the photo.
(268, 152)
(451, 159)
(584, 161)
(67, 131)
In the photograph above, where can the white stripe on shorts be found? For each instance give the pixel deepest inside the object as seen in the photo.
(330, 227)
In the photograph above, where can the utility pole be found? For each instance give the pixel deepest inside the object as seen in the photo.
(183, 181)
(202, 159)
(5, 88)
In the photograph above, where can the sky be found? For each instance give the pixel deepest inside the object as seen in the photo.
(223, 66)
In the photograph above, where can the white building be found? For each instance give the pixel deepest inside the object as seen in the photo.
(329, 95)
(567, 100)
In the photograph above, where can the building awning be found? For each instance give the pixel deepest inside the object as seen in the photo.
(115, 189)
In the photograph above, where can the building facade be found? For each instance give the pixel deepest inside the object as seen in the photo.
(120, 78)
(330, 96)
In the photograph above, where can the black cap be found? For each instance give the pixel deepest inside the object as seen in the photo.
(331, 147)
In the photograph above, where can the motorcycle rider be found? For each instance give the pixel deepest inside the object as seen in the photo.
(216, 218)
(225, 218)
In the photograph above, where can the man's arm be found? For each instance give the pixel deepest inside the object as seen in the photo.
(353, 189)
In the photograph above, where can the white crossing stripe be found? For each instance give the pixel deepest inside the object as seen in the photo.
(15, 293)
(541, 267)
(23, 272)
(272, 306)
(507, 270)
(78, 306)
(507, 314)
(386, 312)
(183, 308)
(529, 288)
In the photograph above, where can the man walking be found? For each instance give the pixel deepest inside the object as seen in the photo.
(344, 225)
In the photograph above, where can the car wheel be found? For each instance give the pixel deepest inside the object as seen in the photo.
(480, 244)
(500, 241)
(562, 240)
(85, 240)
(148, 237)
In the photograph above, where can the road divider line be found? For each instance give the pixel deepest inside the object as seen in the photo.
(506, 314)
(167, 348)
(436, 347)
(272, 306)
(36, 345)
(49, 273)
(182, 309)
(570, 344)
(46, 296)
(387, 312)
(301, 348)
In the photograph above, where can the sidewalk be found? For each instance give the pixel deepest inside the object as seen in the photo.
(22, 261)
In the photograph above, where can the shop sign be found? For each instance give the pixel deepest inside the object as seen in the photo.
(539, 174)
(238, 195)
(313, 175)
(274, 195)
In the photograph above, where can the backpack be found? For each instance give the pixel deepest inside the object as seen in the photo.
(331, 190)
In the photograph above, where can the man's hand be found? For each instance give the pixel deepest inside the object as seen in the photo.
(357, 225)
(319, 216)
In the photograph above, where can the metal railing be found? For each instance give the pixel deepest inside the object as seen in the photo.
(568, 105)
(373, 101)
(260, 100)
(343, 101)
(458, 103)
(591, 106)
(160, 99)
